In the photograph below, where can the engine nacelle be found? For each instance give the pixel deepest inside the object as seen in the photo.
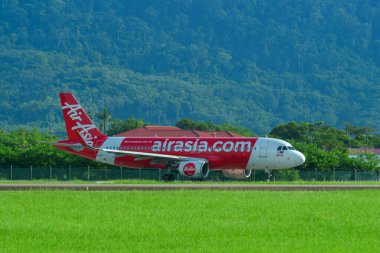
(193, 169)
(237, 173)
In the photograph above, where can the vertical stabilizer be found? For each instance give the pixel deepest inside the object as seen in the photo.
(78, 125)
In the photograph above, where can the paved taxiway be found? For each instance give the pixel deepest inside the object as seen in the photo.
(161, 187)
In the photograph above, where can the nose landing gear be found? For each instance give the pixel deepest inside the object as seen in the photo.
(269, 175)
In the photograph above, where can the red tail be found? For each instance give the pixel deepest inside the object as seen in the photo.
(78, 125)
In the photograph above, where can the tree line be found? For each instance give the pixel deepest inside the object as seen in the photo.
(327, 148)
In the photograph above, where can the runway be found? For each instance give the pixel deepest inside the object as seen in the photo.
(165, 187)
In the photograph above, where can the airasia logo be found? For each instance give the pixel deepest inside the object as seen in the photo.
(83, 130)
(189, 169)
(198, 145)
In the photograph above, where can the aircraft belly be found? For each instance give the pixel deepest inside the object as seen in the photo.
(106, 157)
(130, 162)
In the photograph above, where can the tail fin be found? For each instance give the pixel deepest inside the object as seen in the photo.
(78, 125)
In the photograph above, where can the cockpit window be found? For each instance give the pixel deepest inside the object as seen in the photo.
(285, 148)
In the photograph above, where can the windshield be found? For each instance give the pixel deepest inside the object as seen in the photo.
(286, 148)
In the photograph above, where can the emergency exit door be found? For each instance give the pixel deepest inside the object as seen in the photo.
(263, 149)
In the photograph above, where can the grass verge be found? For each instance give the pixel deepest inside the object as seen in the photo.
(190, 221)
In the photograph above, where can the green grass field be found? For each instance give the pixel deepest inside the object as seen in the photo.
(190, 221)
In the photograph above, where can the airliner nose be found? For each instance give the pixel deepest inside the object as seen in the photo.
(301, 158)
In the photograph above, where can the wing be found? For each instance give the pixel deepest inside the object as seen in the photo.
(139, 156)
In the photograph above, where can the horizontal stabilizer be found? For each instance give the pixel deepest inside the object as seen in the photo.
(73, 145)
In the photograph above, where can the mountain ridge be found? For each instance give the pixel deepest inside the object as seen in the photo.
(253, 64)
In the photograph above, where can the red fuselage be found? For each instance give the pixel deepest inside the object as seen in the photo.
(221, 153)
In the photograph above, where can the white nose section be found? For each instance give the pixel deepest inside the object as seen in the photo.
(301, 158)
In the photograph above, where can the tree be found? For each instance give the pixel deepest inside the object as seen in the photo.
(105, 117)
(117, 126)
(291, 131)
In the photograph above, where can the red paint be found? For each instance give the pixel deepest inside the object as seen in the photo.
(217, 160)
(220, 152)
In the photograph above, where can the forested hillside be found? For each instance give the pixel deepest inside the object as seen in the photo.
(251, 63)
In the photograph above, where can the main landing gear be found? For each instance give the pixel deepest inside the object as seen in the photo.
(168, 177)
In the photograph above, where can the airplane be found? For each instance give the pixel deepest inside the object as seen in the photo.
(191, 157)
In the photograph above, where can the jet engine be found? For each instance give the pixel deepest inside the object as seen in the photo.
(194, 169)
(237, 174)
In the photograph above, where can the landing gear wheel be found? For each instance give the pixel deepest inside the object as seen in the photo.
(269, 175)
(168, 177)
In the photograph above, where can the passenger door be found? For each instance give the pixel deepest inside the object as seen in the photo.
(263, 148)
